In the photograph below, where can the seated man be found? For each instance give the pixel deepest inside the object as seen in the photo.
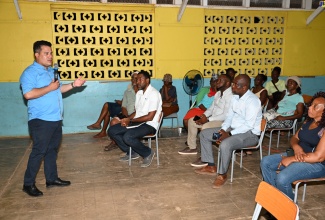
(205, 103)
(147, 110)
(113, 109)
(240, 129)
(212, 117)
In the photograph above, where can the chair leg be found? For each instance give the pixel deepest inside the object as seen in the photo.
(241, 159)
(304, 193)
(277, 144)
(218, 160)
(296, 192)
(270, 142)
(130, 153)
(233, 158)
(157, 151)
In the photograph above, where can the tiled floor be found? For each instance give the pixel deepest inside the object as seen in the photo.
(104, 188)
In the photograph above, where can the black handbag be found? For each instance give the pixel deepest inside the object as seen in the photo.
(277, 96)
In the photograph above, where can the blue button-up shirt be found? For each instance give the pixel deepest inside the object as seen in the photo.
(48, 107)
(244, 114)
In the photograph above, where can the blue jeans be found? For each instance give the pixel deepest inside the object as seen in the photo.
(126, 138)
(295, 171)
(46, 136)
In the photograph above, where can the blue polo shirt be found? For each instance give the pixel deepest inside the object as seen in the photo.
(48, 107)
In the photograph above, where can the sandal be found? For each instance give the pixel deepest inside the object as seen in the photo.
(110, 147)
(92, 127)
(239, 153)
(249, 152)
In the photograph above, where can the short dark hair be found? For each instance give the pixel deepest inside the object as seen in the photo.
(145, 74)
(277, 69)
(38, 44)
(264, 77)
(227, 76)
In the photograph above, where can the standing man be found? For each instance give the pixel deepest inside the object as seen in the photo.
(45, 111)
(147, 111)
(241, 128)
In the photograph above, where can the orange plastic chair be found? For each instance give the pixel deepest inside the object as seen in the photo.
(275, 202)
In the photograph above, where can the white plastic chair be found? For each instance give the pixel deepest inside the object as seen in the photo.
(233, 157)
(149, 137)
(293, 128)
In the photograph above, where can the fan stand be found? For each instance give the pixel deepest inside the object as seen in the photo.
(190, 97)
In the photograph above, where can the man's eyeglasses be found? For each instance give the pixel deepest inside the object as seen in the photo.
(236, 84)
(317, 107)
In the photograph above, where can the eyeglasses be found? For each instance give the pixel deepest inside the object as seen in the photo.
(317, 107)
(236, 84)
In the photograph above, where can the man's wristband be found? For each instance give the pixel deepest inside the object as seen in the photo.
(72, 85)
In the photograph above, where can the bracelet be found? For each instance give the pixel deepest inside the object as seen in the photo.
(72, 85)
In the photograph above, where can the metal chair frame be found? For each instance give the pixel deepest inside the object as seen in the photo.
(149, 137)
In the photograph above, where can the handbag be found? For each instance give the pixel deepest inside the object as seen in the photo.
(270, 114)
(277, 96)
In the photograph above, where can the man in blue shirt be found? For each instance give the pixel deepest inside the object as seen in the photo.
(240, 129)
(45, 111)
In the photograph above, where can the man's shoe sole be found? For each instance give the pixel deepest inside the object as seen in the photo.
(199, 165)
(205, 173)
(146, 165)
(183, 153)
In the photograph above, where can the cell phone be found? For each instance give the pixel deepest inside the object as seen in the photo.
(290, 152)
(196, 118)
(216, 136)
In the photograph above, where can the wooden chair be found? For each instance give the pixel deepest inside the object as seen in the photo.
(307, 98)
(233, 157)
(297, 183)
(149, 137)
(275, 202)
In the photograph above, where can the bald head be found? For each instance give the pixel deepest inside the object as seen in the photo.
(245, 80)
(241, 84)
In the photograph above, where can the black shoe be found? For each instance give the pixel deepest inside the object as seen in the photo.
(58, 182)
(32, 190)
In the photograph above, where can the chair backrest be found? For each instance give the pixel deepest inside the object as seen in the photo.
(263, 129)
(264, 107)
(307, 98)
(276, 202)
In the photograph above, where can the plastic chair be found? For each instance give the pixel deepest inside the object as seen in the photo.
(171, 116)
(264, 107)
(297, 183)
(233, 157)
(149, 137)
(275, 202)
(293, 128)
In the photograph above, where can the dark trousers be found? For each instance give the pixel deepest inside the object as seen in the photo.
(126, 138)
(46, 136)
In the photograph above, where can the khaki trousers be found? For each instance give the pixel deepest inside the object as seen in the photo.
(193, 129)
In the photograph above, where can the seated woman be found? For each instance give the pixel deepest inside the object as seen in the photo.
(168, 96)
(275, 88)
(258, 88)
(205, 102)
(308, 146)
(291, 107)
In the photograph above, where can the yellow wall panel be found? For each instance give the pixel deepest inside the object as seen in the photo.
(209, 40)
(184, 49)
